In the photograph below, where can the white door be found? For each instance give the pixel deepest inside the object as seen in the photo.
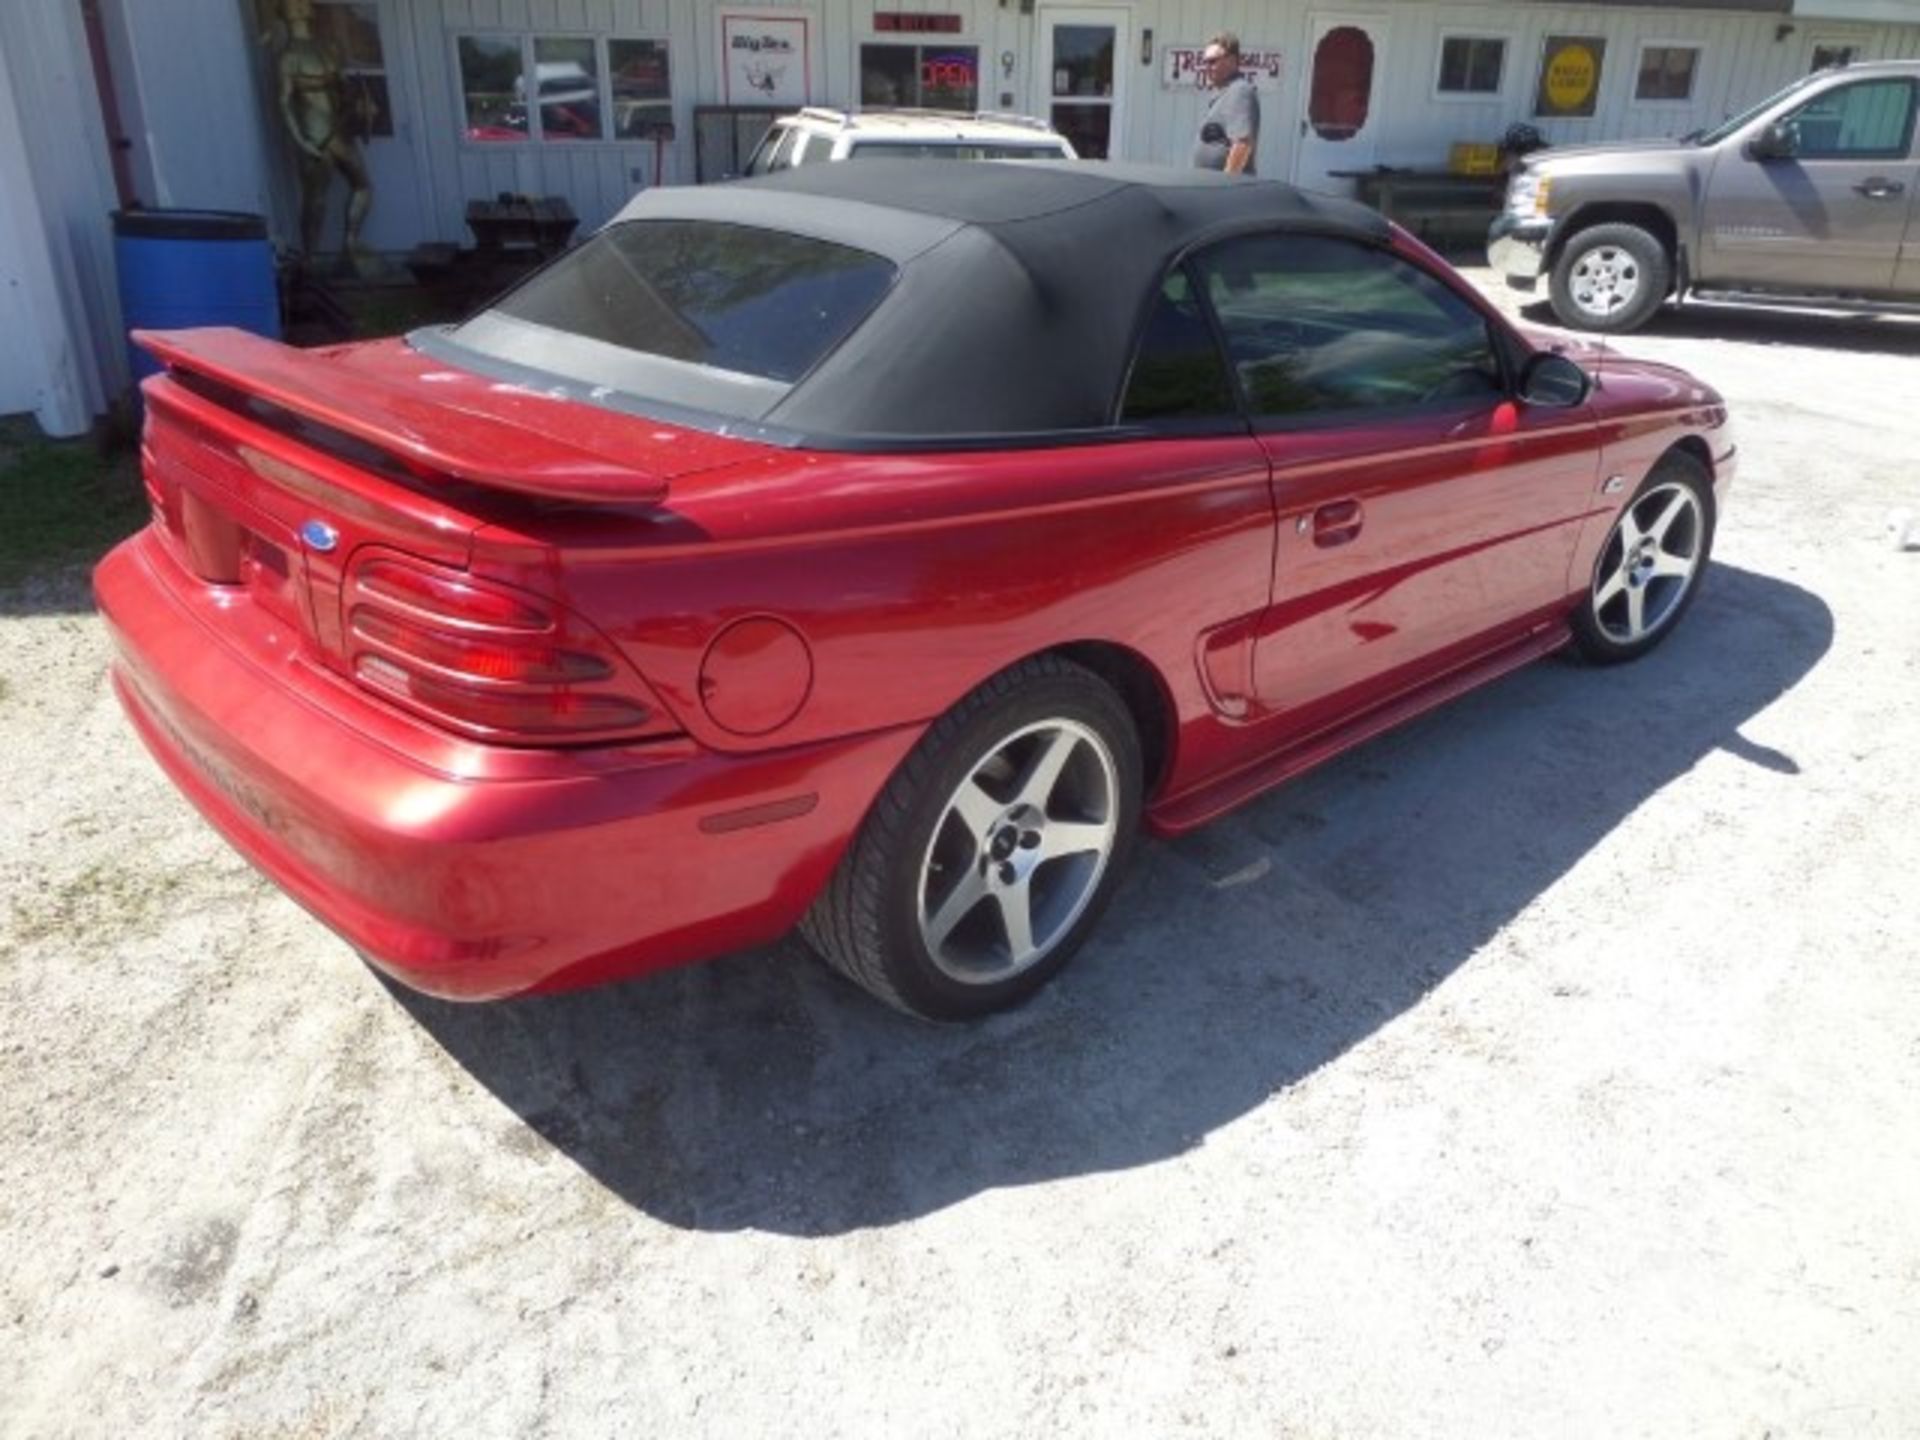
(1080, 80)
(1340, 119)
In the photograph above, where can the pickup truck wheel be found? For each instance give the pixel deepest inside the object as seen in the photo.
(992, 851)
(1649, 570)
(1610, 278)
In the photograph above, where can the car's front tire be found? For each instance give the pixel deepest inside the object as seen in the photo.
(1610, 278)
(992, 851)
(1651, 566)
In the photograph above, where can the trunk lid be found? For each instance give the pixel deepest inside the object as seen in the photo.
(269, 468)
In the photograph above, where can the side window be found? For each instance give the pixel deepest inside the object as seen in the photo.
(775, 152)
(1179, 373)
(1872, 120)
(1316, 326)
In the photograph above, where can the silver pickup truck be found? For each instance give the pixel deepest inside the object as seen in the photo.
(1810, 197)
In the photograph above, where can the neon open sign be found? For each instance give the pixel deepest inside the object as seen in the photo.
(947, 72)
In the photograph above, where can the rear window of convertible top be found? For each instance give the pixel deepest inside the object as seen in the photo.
(756, 302)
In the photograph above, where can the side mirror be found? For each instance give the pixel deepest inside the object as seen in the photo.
(1779, 141)
(1554, 382)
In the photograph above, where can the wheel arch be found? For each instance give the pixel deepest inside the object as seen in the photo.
(1142, 689)
(1694, 446)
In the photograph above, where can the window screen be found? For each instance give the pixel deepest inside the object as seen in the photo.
(1316, 325)
(733, 297)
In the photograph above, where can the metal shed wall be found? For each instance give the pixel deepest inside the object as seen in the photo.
(61, 349)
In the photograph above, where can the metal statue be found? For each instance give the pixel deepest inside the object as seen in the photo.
(313, 101)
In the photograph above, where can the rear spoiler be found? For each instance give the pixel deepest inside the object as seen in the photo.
(403, 418)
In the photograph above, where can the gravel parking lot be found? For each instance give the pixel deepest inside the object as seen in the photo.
(1545, 1068)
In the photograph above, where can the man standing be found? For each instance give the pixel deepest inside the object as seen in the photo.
(1230, 130)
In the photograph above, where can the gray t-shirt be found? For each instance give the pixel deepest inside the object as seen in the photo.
(1233, 115)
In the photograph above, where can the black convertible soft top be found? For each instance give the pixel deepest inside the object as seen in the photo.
(1020, 287)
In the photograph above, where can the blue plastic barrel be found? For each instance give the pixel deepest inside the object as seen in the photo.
(180, 268)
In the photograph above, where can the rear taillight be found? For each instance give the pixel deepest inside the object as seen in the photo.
(488, 660)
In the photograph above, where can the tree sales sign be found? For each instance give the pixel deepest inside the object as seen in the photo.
(1180, 67)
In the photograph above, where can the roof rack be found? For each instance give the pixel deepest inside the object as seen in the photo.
(1008, 117)
(917, 112)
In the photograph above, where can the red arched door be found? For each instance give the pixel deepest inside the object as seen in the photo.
(1340, 121)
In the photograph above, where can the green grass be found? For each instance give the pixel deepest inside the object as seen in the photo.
(62, 502)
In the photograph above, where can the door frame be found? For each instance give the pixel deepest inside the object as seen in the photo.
(1379, 27)
(1040, 83)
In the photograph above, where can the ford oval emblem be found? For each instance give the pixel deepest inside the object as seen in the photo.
(318, 535)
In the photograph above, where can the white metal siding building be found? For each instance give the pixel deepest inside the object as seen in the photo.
(1343, 87)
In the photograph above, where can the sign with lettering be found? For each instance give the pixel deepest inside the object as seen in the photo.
(908, 22)
(1570, 75)
(1180, 67)
(765, 58)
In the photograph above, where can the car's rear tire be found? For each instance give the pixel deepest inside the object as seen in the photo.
(1610, 278)
(1651, 565)
(992, 851)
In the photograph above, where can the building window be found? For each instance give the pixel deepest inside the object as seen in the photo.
(566, 72)
(1471, 64)
(1666, 72)
(642, 89)
(931, 77)
(579, 81)
(351, 32)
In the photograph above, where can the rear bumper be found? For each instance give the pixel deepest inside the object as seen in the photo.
(1517, 248)
(464, 870)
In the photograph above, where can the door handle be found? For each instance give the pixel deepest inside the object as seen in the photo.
(1878, 187)
(1336, 524)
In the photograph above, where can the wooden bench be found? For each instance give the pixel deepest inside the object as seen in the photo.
(1438, 206)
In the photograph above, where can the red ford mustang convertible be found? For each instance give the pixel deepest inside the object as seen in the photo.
(872, 548)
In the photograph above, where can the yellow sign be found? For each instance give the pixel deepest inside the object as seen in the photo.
(1570, 76)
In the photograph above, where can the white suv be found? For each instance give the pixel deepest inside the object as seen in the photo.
(817, 134)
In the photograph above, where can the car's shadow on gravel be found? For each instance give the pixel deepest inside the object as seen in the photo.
(1757, 325)
(761, 1091)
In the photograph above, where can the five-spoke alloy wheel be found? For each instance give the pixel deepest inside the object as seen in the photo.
(1019, 852)
(1649, 569)
(993, 849)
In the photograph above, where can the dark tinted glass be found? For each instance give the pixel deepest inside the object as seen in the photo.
(933, 77)
(758, 302)
(1666, 72)
(1316, 325)
(1179, 373)
(1470, 65)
